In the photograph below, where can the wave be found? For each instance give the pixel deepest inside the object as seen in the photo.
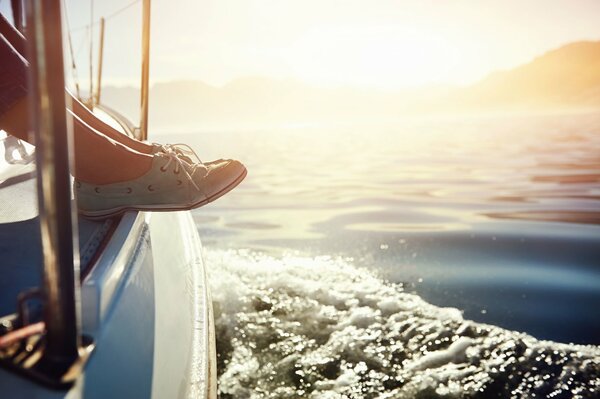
(320, 327)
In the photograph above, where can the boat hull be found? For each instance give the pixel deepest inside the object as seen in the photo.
(146, 304)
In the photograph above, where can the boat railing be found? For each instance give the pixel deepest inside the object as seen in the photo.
(58, 230)
(145, 92)
(61, 350)
(140, 131)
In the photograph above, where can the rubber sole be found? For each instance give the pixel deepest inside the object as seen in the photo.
(108, 213)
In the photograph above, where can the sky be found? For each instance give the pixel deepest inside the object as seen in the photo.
(384, 44)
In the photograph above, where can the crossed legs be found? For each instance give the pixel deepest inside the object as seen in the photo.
(114, 173)
(99, 159)
(102, 154)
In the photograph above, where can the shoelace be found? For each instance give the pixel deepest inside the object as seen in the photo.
(183, 148)
(179, 165)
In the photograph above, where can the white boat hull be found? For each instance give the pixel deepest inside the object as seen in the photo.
(147, 306)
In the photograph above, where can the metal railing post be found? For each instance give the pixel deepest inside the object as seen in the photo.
(145, 69)
(49, 123)
(100, 60)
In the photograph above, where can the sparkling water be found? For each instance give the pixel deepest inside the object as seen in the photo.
(423, 257)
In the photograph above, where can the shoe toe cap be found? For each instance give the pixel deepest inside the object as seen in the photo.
(221, 176)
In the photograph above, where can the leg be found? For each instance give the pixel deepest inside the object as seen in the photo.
(14, 38)
(98, 158)
(102, 160)
(13, 87)
(88, 117)
(113, 177)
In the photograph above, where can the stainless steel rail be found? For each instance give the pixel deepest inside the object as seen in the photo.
(100, 62)
(145, 69)
(57, 220)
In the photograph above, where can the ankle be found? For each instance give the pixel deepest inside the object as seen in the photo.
(142, 147)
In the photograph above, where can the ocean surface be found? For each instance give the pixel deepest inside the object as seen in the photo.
(424, 257)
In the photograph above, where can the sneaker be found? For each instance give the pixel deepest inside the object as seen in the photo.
(171, 184)
(182, 150)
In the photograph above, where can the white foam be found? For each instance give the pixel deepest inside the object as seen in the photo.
(455, 353)
(321, 328)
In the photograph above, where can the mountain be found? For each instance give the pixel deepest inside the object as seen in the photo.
(567, 77)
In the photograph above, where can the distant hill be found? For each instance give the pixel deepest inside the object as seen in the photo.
(567, 77)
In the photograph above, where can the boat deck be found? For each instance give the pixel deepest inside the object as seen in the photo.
(144, 297)
(20, 245)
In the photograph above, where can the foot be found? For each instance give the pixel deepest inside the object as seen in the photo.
(171, 184)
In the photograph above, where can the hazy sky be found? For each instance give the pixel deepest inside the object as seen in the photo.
(377, 43)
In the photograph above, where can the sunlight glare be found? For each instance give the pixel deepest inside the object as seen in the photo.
(377, 57)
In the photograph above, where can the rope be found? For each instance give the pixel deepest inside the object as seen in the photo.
(110, 16)
(119, 11)
(89, 28)
(73, 64)
(91, 99)
(82, 42)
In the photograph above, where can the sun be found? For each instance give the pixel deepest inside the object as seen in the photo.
(384, 57)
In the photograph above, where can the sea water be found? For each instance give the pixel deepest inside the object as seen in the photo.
(423, 257)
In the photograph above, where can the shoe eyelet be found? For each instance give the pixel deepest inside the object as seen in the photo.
(179, 182)
(163, 169)
(177, 172)
(150, 188)
(129, 190)
(97, 190)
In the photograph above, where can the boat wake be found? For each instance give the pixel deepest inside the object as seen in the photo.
(298, 327)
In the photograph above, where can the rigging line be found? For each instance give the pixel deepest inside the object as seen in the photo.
(81, 46)
(119, 11)
(82, 43)
(85, 27)
(91, 94)
(110, 16)
(70, 40)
